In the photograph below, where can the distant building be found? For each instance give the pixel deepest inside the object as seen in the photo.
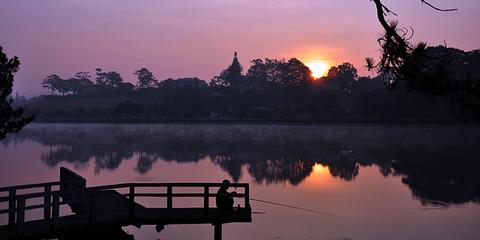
(230, 77)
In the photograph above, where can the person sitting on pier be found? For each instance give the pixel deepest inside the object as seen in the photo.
(225, 199)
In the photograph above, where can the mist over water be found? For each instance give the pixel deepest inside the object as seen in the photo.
(393, 182)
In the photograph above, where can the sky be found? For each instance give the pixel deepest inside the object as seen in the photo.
(187, 38)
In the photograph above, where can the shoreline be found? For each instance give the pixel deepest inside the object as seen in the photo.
(409, 124)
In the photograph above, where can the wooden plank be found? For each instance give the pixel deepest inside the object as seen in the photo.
(180, 184)
(182, 195)
(26, 195)
(26, 186)
(111, 187)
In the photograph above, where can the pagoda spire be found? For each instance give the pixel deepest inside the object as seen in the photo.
(235, 60)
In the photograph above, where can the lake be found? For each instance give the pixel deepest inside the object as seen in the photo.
(385, 182)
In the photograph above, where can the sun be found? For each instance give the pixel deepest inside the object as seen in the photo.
(318, 68)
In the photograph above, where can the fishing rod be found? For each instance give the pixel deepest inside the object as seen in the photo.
(300, 208)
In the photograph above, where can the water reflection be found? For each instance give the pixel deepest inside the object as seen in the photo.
(440, 166)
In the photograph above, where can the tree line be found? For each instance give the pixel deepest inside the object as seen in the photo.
(263, 73)
(269, 90)
(110, 79)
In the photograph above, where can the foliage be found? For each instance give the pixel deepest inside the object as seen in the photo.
(145, 78)
(74, 85)
(108, 79)
(433, 71)
(273, 72)
(344, 75)
(11, 120)
(183, 83)
(78, 82)
(52, 82)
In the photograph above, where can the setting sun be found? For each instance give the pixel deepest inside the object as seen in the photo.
(318, 68)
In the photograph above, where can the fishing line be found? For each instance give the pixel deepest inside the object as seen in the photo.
(300, 208)
(259, 212)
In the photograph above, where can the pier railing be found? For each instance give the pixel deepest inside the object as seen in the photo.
(17, 202)
(53, 199)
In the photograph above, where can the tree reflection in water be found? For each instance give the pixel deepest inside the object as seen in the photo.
(440, 166)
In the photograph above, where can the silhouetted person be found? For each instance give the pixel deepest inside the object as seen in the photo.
(225, 199)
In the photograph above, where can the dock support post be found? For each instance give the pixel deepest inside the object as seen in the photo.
(47, 201)
(92, 207)
(20, 214)
(12, 207)
(247, 197)
(55, 211)
(131, 204)
(206, 203)
(217, 235)
(169, 197)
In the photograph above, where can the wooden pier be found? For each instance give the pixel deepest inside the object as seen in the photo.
(108, 208)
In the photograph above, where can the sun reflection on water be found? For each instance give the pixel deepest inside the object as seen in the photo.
(320, 177)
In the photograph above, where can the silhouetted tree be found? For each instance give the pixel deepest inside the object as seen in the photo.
(292, 73)
(183, 83)
(63, 86)
(345, 75)
(110, 79)
(101, 78)
(11, 120)
(257, 75)
(78, 82)
(296, 74)
(145, 78)
(52, 82)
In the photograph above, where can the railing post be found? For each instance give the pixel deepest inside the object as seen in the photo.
(131, 204)
(11, 206)
(20, 214)
(47, 200)
(91, 213)
(206, 198)
(55, 210)
(247, 196)
(169, 197)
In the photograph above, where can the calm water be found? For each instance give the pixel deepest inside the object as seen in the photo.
(392, 182)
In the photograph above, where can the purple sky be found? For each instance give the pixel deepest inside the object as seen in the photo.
(182, 38)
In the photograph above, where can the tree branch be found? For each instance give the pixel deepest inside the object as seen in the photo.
(438, 9)
(381, 11)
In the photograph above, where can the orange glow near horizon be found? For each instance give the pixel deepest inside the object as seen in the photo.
(319, 68)
(320, 177)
